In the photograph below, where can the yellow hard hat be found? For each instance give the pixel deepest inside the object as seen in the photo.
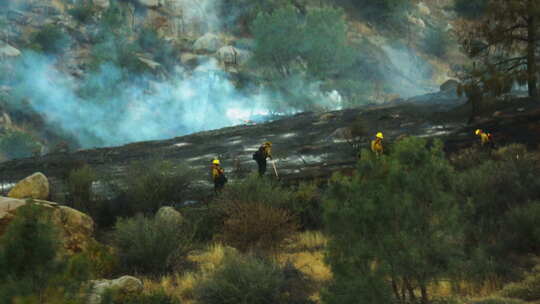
(268, 143)
(215, 162)
(477, 132)
(379, 135)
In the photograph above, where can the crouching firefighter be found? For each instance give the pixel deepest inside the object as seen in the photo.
(218, 176)
(486, 139)
(264, 152)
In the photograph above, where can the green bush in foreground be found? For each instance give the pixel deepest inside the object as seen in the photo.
(151, 244)
(394, 227)
(242, 279)
(526, 290)
(33, 268)
(79, 186)
(497, 300)
(153, 184)
(156, 297)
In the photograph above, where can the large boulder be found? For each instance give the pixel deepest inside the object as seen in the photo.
(35, 186)
(208, 43)
(189, 59)
(125, 285)
(449, 86)
(169, 214)
(75, 227)
(150, 3)
(7, 50)
(149, 62)
(102, 4)
(232, 55)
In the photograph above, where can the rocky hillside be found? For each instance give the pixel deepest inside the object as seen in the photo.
(172, 62)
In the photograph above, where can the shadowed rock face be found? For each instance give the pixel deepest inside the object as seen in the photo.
(306, 146)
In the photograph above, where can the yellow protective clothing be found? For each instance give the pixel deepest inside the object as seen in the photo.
(484, 138)
(377, 146)
(267, 151)
(217, 171)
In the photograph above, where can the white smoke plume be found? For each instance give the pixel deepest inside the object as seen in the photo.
(147, 110)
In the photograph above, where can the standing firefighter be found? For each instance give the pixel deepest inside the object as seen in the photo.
(264, 152)
(486, 139)
(377, 145)
(218, 176)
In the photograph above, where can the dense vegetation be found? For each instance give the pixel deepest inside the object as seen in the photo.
(413, 226)
(391, 232)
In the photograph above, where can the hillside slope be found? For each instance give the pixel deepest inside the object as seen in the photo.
(306, 146)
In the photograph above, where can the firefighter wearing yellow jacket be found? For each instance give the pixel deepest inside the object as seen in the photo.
(264, 152)
(218, 176)
(377, 144)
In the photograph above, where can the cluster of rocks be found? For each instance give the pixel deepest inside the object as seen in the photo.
(76, 229)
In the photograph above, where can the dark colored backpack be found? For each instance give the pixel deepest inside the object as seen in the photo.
(258, 154)
(222, 178)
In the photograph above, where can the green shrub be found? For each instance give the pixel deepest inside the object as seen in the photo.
(104, 263)
(319, 39)
(306, 204)
(17, 144)
(149, 39)
(206, 221)
(50, 39)
(254, 189)
(520, 231)
(152, 184)
(79, 185)
(513, 152)
(437, 42)
(34, 267)
(303, 202)
(256, 226)
(526, 290)
(468, 158)
(383, 13)
(83, 11)
(156, 297)
(242, 279)
(497, 300)
(151, 245)
(471, 9)
(490, 190)
(400, 213)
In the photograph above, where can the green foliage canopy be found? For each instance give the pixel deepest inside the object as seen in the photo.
(287, 41)
(395, 225)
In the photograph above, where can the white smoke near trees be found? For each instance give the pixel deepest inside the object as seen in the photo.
(114, 111)
(144, 110)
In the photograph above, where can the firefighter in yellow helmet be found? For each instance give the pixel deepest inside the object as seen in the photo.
(377, 144)
(218, 176)
(264, 152)
(486, 139)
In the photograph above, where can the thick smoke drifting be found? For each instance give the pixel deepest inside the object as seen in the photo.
(186, 102)
(146, 110)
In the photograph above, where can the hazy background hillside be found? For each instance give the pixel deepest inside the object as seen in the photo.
(101, 73)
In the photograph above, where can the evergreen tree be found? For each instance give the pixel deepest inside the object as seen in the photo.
(504, 43)
(394, 227)
(289, 42)
(28, 253)
(32, 268)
